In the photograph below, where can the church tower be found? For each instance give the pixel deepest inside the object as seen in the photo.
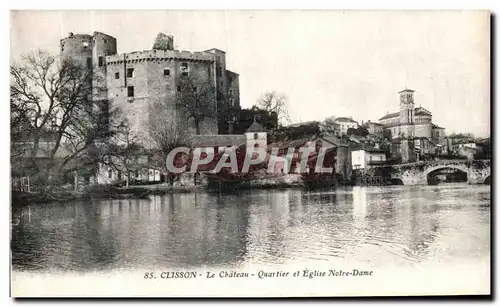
(407, 112)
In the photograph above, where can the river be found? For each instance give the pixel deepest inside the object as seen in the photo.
(376, 227)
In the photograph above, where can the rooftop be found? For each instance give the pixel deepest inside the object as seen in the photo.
(345, 119)
(406, 90)
(373, 123)
(256, 127)
(389, 115)
(218, 140)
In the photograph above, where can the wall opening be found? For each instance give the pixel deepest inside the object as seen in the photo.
(487, 180)
(130, 91)
(446, 175)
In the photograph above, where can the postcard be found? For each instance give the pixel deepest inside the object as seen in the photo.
(267, 153)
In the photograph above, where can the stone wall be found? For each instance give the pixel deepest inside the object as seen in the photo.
(416, 173)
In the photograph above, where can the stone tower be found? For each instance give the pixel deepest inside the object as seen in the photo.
(163, 42)
(407, 112)
(90, 51)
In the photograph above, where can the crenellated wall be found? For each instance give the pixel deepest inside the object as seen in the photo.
(152, 88)
(155, 79)
(159, 55)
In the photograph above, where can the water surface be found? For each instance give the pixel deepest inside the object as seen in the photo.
(399, 226)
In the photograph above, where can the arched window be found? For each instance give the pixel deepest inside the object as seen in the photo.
(255, 136)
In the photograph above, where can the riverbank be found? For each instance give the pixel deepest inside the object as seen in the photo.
(95, 192)
(20, 199)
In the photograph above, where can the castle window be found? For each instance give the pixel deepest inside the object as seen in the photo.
(105, 41)
(89, 63)
(195, 89)
(101, 60)
(178, 88)
(130, 91)
(184, 66)
(136, 173)
(110, 173)
(117, 75)
(184, 74)
(130, 72)
(219, 72)
(255, 136)
(166, 72)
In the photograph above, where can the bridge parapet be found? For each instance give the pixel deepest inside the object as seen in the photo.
(416, 173)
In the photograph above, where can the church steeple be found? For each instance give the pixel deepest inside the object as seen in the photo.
(406, 106)
(406, 96)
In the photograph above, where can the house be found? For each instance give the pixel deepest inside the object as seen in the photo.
(346, 123)
(315, 143)
(465, 149)
(374, 128)
(300, 130)
(365, 158)
(142, 168)
(425, 149)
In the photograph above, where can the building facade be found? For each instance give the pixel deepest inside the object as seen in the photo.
(366, 158)
(411, 121)
(345, 123)
(374, 128)
(143, 84)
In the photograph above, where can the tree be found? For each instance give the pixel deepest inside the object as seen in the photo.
(126, 152)
(166, 133)
(56, 98)
(329, 126)
(196, 99)
(387, 134)
(227, 113)
(465, 136)
(247, 116)
(360, 131)
(275, 103)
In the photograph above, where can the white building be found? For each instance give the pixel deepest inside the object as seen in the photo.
(346, 123)
(362, 159)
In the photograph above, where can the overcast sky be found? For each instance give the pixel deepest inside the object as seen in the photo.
(326, 62)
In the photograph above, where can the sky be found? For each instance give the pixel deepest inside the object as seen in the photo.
(326, 63)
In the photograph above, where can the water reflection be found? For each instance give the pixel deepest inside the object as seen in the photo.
(376, 226)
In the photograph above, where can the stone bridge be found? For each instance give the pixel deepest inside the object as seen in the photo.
(478, 171)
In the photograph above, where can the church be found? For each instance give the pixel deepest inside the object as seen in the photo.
(411, 121)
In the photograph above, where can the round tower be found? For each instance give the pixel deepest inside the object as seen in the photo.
(77, 47)
(103, 45)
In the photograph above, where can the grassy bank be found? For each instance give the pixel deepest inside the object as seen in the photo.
(88, 193)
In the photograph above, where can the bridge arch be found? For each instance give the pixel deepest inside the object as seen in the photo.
(461, 168)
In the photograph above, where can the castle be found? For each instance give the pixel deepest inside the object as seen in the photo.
(138, 82)
(411, 121)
